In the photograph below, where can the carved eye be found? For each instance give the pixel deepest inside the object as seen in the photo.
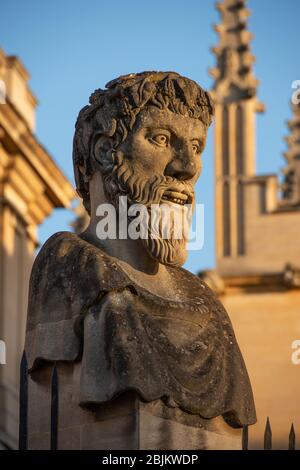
(160, 139)
(196, 147)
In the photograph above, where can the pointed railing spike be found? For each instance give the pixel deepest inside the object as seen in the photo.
(268, 436)
(245, 438)
(54, 409)
(292, 438)
(23, 403)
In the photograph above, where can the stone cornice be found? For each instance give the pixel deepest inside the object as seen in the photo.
(286, 280)
(18, 140)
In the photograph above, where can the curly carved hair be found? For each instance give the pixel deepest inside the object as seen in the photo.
(113, 112)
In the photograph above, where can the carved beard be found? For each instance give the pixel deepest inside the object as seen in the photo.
(122, 181)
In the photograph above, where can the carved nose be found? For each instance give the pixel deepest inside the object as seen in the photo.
(181, 169)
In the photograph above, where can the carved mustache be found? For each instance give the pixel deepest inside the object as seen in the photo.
(157, 188)
(153, 190)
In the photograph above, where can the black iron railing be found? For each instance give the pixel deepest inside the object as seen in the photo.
(23, 412)
(268, 437)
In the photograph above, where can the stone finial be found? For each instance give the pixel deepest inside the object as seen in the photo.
(14, 88)
(291, 276)
(233, 74)
(291, 173)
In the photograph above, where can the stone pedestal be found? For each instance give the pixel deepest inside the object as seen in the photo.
(126, 423)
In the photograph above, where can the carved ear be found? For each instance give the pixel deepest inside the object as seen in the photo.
(102, 145)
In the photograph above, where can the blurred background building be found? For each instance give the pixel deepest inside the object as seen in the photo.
(31, 186)
(257, 224)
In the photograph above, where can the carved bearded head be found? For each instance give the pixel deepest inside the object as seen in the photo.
(145, 133)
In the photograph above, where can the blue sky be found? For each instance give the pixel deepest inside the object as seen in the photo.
(71, 47)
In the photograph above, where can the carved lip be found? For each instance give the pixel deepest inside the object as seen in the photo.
(177, 197)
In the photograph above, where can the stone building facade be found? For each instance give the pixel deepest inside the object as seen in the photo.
(31, 186)
(257, 223)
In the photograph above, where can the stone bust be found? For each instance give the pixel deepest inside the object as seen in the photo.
(125, 307)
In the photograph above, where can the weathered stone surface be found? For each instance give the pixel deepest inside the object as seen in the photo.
(129, 338)
(127, 422)
(120, 309)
